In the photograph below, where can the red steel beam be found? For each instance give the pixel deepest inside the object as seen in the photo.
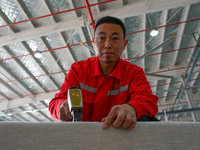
(59, 90)
(171, 82)
(166, 84)
(30, 94)
(168, 25)
(167, 96)
(68, 70)
(91, 41)
(171, 70)
(170, 104)
(173, 104)
(89, 13)
(34, 77)
(42, 105)
(185, 48)
(45, 51)
(62, 72)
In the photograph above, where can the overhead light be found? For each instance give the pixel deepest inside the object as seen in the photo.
(38, 54)
(154, 32)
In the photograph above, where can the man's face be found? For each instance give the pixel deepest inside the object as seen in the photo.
(109, 43)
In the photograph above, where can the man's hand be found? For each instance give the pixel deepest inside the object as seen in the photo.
(124, 116)
(64, 113)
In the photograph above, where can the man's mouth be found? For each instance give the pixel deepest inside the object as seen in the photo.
(107, 53)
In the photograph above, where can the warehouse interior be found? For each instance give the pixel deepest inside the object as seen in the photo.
(41, 39)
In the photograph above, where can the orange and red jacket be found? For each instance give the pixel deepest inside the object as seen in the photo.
(127, 84)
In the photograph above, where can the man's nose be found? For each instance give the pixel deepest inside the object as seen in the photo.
(107, 43)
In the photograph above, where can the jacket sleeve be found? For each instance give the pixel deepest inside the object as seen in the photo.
(71, 80)
(141, 97)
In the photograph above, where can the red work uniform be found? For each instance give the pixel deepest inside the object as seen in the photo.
(127, 84)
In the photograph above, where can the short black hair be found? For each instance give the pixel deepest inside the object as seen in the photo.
(113, 20)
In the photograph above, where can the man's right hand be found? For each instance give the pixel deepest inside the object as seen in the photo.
(64, 113)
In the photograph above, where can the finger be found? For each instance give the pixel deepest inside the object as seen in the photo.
(67, 112)
(108, 120)
(66, 118)
(127, 121)
(132, 125)
(64, 114)
(119, 120)
(103, 119)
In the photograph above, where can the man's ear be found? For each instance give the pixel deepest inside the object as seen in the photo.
(125, 43)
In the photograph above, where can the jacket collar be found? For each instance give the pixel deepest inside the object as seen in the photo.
(115, 73)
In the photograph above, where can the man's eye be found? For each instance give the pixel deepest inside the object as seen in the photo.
(115, 38)
(101, 38)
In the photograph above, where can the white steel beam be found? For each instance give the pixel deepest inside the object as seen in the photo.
(191, 83)
(180, 33)
(192, 104)
(8, 76)
(26, 70)
(166, 87)
(59, 34)
(132, 9)
(139, 8)
(82, 35)
(162, 32)
(125, 51)
(176, 72)
(23, 13)
(41, 31)
(143, 40)
(4, 105)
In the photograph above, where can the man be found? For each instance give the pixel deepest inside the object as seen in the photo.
(114, 91)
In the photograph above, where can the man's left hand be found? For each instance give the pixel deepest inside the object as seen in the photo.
(122, 116)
